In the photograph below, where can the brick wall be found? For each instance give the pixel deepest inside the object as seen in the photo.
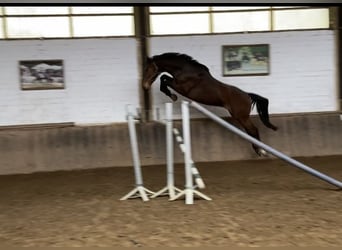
(101, 77)
(302, 68)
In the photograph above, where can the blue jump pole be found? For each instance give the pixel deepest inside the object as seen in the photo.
(266, 147)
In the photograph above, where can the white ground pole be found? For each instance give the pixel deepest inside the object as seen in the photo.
(170, 188)
(139, 191)
(266, 147)
(189, 190)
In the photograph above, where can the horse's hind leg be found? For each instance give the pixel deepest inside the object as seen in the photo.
(253, 131)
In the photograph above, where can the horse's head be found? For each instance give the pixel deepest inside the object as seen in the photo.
(150, 73)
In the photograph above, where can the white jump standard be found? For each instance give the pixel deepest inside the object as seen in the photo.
(189, 190)
(139, 191)
(170, 188)
(173, 192)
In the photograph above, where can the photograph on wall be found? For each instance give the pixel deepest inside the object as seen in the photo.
(245, 60)
(41, 74)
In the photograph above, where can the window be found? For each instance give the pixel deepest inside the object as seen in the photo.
(35, 10)
(179, 20)
(241, 21)
(1, 30)
(102, 10)
(102, 21)
(221, 8)
(301, 19)
(193, 20)
(85, 26)
(64, 22)
(180, 24)
(83, 21)
(31, 27)
(177, 9)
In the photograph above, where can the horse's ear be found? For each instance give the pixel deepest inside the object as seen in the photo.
(150, 62)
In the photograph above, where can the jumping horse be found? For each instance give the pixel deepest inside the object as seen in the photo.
(193, 80)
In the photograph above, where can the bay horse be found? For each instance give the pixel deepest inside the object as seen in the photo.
(193, 80)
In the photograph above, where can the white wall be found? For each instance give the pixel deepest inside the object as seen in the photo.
(302, 68)
(101, 77)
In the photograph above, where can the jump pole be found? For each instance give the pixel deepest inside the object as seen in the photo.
(262, 145)
(170, 188)
(139, 190)
(189, 190)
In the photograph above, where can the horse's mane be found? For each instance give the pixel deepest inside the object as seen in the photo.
(183, 57)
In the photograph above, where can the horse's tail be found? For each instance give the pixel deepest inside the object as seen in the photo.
(262, 108)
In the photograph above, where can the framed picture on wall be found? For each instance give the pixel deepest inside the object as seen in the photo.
(41, 74)
(246, 60)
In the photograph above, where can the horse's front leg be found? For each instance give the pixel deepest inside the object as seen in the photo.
(166, 81)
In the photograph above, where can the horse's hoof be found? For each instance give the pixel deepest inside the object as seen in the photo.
(261, 152)
(174, 97)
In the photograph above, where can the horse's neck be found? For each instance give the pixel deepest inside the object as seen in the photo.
(179, 69)
(172, 69)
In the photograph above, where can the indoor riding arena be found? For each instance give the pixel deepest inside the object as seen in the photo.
(78, 132)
